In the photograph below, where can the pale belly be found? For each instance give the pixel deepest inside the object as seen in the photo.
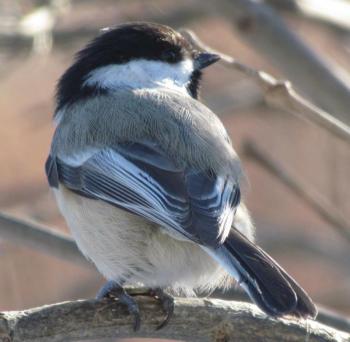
(126, 247)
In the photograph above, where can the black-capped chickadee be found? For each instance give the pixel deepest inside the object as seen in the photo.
(147, 179)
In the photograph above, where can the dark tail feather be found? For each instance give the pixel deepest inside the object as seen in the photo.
(305, 307)
(267, 284)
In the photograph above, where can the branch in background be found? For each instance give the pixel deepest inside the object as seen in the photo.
(321, 250)
(263, 28)
(40, 239)
(334, 12)
(282, 5)
(333, 319)
(15, 41)
(53, 243)
(194, 319)
(280, 94)
(312, 198)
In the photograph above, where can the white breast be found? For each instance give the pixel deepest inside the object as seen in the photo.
(123, 245)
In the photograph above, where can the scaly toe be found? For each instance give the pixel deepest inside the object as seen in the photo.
(113, 290)
(167, 303)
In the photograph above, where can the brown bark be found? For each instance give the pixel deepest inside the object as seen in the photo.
(193, 320)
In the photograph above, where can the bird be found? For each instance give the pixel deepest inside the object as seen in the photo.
(147, 178)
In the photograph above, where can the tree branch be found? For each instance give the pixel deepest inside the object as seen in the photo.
(312, 198)
(40, 239)
(278, 93)
(325, 316)
(193, 320)
(333, 319)
(297, 242)
(333, 12)
(263, 28)
(12, 39)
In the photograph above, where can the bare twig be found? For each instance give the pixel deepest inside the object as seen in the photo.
(325, 315)
(320, 249)
(193, 320)
(263, 28)
(333, 319)
(17, 41)
(40, 239)
(279, 93)
(334, 12)
(312, 198)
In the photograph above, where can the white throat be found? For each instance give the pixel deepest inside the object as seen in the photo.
(141, 73)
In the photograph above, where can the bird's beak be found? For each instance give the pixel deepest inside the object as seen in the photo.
(204, 59)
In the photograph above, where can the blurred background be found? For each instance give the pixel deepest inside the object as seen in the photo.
(37, 42)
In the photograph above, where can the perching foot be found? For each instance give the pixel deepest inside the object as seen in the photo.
(113, 290)
(167, 303)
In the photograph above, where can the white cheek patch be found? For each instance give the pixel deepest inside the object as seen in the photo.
(142, 73)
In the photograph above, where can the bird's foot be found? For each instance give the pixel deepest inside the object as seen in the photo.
(167, 303)
(114, 290)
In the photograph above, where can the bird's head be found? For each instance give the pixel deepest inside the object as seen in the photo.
(134, 55)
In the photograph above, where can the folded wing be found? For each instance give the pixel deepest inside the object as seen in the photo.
(140, 178)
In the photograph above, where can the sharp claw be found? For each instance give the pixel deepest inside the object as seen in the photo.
(134, 311)
(164, 323)
(114, 290)
(169, 313)
(132, 307)
(137, 322)
(167, 304)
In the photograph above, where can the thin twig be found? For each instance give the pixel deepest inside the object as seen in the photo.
(325, 315)
(62, 38)
(322, 250)
(40, 239)
(312, 198)
(262, 27)
(333, 12)
(278, 93)
(193, 320)
(333, 319)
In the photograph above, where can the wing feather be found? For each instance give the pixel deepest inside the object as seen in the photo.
(140, 178)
